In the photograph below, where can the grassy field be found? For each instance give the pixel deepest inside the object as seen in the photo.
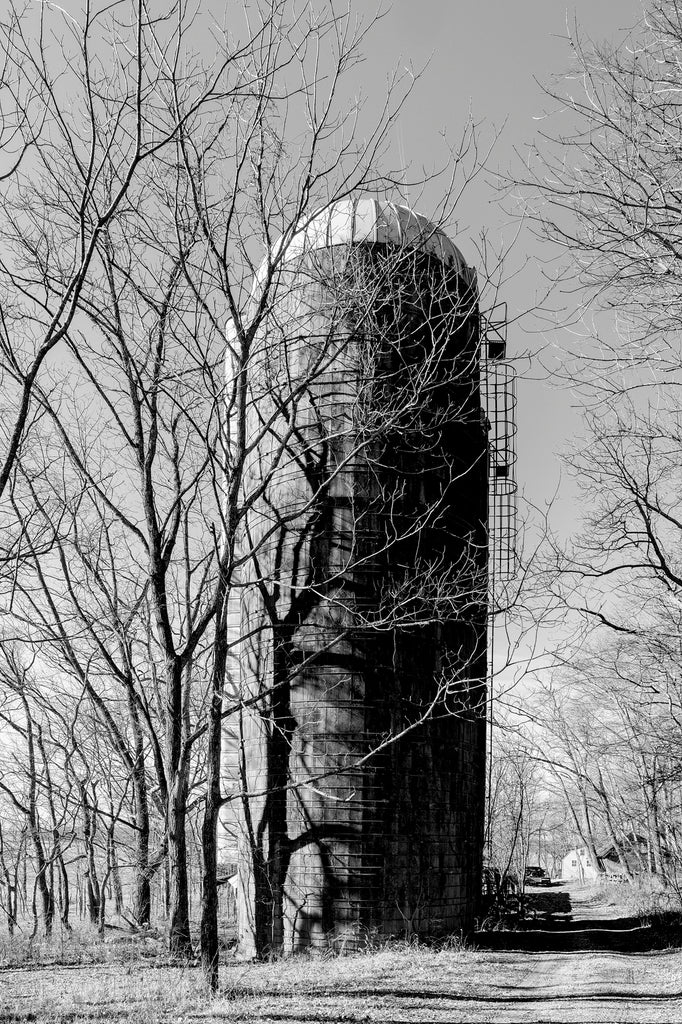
(147, 989)
(78, 980)
(407, 984)
(399, 983)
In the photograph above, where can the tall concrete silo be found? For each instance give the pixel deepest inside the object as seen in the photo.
(363, 600)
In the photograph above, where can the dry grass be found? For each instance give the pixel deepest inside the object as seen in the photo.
(80, 946)
(399, 982)
(151, 993)
(79, 979)
(647, 898)
(644, 897)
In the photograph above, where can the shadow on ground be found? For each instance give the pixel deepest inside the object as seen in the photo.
(549, 924)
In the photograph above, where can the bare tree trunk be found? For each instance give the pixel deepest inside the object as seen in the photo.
(15, 907)
(142, 899)
(56, 856)
(23, 886)
(101, 910)
(180, 939)
(209, 922)
(209, 891)
(209, 828)
(11, 904)
(588, 834)
(63, 891)
(46, 893)
(655, 833)
(34, 913)
(279, 753)
(93, 890)
(669, 838)
(113, 870)
(269, 850)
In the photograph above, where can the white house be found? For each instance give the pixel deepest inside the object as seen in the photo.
(578, 863)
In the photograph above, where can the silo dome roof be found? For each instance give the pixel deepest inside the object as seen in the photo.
(365, 218)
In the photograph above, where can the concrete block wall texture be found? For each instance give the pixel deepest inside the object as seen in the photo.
(363, 602)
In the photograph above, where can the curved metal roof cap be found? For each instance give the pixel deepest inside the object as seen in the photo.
(367, 219)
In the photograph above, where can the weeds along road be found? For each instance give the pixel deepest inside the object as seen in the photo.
(603, 972)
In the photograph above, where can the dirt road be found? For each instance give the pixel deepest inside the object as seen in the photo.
(582, 958)
(580, 987)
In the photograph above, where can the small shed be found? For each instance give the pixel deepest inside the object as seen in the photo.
(633, 850)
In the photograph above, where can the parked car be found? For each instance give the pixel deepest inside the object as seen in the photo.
(535, 875)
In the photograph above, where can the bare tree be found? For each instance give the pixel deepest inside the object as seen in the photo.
(604, 188)
(27, 801)
(74, 141)
(192, 170)
(73, 602)
(514, 809)
(607, 731)
(11, 847)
